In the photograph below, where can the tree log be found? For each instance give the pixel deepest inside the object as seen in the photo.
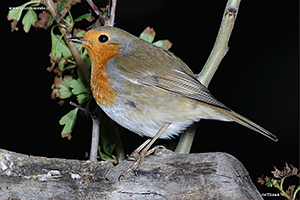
(164, 175)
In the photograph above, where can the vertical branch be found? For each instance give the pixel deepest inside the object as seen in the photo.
(86, 74)
(217, 54)
(97, 11)
(109, 21)
(186, 139)
(95, 136)
(112, 4)
(221, 45)
(112, 9)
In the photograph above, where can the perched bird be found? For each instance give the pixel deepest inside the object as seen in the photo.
(149, 90)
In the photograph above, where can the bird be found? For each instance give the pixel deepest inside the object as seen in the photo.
(148, 90)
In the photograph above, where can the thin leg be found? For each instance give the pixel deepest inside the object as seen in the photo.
(136, 152)
(144, 152)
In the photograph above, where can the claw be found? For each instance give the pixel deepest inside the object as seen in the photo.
(139, 155)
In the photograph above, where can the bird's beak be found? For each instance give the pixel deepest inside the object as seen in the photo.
(78, 40)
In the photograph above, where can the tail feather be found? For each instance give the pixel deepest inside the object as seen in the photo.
(251, 125)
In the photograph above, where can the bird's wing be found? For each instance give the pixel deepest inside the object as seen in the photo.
(156, 67)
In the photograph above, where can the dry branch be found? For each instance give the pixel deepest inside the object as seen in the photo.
(165, 175)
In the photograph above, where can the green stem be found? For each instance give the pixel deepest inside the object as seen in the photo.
(221, 45)
(295, 193)
(219, 50)
(281, 183)
(275, 183)
(186, 140)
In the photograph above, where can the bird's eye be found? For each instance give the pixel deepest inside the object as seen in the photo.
(103, 38)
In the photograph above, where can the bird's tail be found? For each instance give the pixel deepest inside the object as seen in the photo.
(249, 124)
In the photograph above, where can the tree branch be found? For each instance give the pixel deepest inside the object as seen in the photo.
(217, 54)
(165, 175)
(112, 9)
(221, 45)
(97, 11)
(95, 136)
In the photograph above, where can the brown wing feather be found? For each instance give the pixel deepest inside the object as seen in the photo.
(160, 68)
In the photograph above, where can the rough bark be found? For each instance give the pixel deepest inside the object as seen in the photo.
(165, 175)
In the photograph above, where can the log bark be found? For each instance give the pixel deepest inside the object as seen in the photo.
(165, 175)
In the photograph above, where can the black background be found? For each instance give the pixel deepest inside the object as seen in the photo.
(258, 78)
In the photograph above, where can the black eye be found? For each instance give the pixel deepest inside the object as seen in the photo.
(103, 38)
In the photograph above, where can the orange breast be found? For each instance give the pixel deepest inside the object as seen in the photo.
(101, 84)
(101, 87)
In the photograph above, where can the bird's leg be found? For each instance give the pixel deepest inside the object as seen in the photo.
(145, 151)
(136, 152)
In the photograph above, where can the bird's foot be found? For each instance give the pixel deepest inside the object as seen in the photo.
(138, 159)
(142, 151)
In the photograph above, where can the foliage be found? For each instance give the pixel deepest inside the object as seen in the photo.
(148, 34)
(278, 179)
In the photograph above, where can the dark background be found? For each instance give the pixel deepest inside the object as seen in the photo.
(258, 78)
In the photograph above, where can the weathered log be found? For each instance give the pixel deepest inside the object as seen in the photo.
(165, 175)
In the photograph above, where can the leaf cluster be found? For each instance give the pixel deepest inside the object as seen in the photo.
(278, 180)
(149, 34)
(68, 82)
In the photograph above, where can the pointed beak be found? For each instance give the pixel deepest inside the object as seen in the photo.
(78, 40)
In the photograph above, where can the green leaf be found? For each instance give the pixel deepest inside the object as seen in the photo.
(80, 90)
(68, 121)
(87, 62)
(59, 47)
(78, 87)
(148, 34)
(65, 88)
(86, 16)
(106, 157)
(165, 44)
(80, 33)
(148, 38)
(16, 12)
(28, 20)
(52, 19)
(107, 145)
(69, 18)
(61, 5)
(61, 64)
(81, 98)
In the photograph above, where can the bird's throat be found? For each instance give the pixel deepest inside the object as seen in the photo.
(101, 84)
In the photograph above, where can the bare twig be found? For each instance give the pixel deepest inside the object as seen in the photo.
(214, 60)
(97, 11)
(109, 8)
(109, 21)
(92, 114)
(95, 132)
(95, 136)
(112, 13)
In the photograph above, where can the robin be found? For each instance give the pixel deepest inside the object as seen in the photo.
(149, 90)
